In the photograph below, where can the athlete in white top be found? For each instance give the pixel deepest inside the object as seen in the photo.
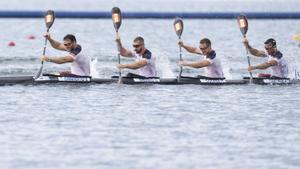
(210, 63)
(275, 61)
(80, 63)
(144, 61)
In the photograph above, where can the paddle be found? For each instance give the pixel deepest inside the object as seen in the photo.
(296, 37)
(178, 26)
(117, 21)
(243, 24)
(49, 20)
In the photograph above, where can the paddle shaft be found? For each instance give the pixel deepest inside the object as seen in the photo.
(45, 44)
(119, 55)
(42, 62)
(180, 58)
(249, 63)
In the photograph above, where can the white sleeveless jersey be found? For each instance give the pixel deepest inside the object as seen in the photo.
(213, 70)
(281, 69)
(81, 64)
(149, 70)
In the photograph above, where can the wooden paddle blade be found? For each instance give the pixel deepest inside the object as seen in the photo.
(178, 26)
(243, 23)
(116, 17)
(49, 18)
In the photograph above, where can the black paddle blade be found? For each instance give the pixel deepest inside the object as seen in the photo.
(178, 26)
(49, 18)
(243, 24)
(116, 17)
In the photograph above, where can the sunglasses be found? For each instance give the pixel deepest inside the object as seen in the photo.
(204, 48)
(137, 45)
(269, 48)
(67, 44)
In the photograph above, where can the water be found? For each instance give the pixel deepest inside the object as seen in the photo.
(111, 126)
(147, 126)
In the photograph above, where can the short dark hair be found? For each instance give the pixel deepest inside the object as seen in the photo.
(139, 39)
(205, 41)
(70, 37)
(270, 41)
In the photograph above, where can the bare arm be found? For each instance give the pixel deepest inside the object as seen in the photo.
(190, 48)
(253, 51)
(58, 60)
(264, 65)
(134, 65)
(199, 64)
(55, 44)
(123, 51)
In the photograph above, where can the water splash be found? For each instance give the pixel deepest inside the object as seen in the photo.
(94, 72)
(163, 65)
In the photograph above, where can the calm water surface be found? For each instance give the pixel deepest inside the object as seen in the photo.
(147, 126)
(112, 126)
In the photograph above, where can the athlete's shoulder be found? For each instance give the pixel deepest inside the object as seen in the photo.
(76, 50)
(147, 54)
(212, 55)
(278, 55)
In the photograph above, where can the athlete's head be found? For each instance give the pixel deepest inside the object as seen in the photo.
(138, 44)
(270, 46)
(205, 46)
(69, 42)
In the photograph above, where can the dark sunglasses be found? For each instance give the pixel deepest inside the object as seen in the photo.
(204, 48)
(269, 48)
(137, 45)
(67, 44)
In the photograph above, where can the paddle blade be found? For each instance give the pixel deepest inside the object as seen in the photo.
(49, 18)
(296, 37)
(116, 17)
(178, 26)
(243, 24)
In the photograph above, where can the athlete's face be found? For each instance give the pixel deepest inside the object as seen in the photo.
(271, 49)
(138, 47)
(205, 48)
(69, 45)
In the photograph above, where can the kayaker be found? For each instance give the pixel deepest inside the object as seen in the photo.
(276, 61)
(144, 61)
(210, 63)
(80, 63)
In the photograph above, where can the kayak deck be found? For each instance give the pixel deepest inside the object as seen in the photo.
(182, 81)
(12, 80)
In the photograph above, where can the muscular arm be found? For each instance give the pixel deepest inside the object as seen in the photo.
(191, 49)
(125, 52)
(265, 65)
(56, 44)
(134, 65)
(253, 51)
(256, 52)
(199, 64)
(59, 60)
